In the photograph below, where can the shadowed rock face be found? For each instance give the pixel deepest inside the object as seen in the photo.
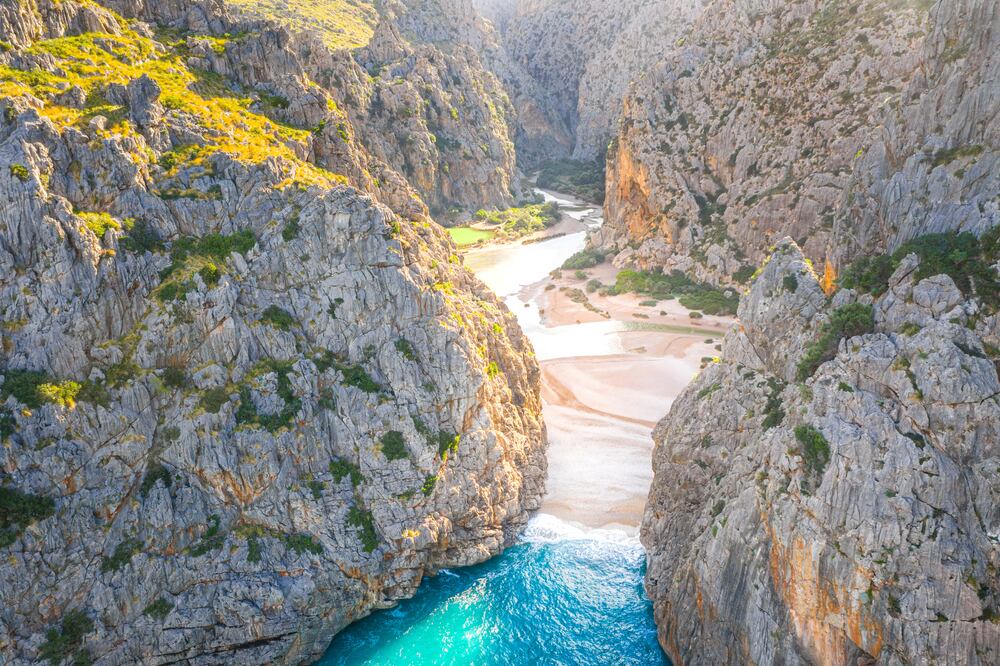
(585, 54)
(243, 401)
(850, 126)
(848, 518)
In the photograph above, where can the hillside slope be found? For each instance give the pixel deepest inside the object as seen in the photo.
(242, 401)
(851, 126)
(827, 492)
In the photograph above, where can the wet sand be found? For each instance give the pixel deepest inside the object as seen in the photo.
(610, 371)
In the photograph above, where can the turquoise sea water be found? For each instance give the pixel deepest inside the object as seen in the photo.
(560, 597)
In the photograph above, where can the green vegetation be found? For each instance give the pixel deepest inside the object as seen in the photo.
(290, 231)
(341, 468)
(404, 347)
(212, 400)
(123, 555)
(280, 318)
(174, 377)
(211, 540)
(815, 449)
(744, 274)
(302, 543)
(20, 172)
(518, 222)
(467, 236)
(365, 523)
(93, 61)
(846, 322)
(584, 259)
(66, 642)
(342, 24)
(99, 223)
(946, 156)
(159, 609)
(428, 486)
(199, 255)
(247, 413)
(492, 369)
(34, 389)
(141, 237)
(790, 283)
(19, 510)
(394, 446)
(581, 179)
(964, 258)
(156, 472)
(8, 424)
(692, 295)
(774, 411)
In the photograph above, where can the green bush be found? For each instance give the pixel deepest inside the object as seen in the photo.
(19, 510)
(584, 259)
(790, 283)
(521, 221)
(302, 543)
(845, 322)
(20, 172)
(394, 446)
(159, 609)
(141, 237)
(291, 231)
(247, 414)
(341, 468)
(692, 295)
(8, 424)
(365, 523)
(124, 552)
(743, 275)
(278, 317)
(815, 449)
(175, 378)
(212, 400)
(404, 347)
(964, 258)
(774, 412)
(428, 486)
(211, 540)
(156, 472)
(66, 642)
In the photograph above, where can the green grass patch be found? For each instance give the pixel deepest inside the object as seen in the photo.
(467, 236)
(159, 609)
(365, 523)
(122, 555)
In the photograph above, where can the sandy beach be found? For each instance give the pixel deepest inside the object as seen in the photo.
(611, 368)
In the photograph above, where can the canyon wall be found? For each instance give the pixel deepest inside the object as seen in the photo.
(837, 507)
(851, 126)
(585, 54)
(248, 393)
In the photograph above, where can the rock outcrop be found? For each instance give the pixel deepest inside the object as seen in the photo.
(248, 393)
(827, 492)
(850, 126)
(585, 54)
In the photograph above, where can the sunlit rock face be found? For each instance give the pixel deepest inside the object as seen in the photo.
(850, 126)
(839, 509)
(248, 393)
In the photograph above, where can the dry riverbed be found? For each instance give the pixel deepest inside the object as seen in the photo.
(611, 367)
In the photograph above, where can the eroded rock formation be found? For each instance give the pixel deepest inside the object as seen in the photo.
(836, 507)
(247, 391)
(850, 126)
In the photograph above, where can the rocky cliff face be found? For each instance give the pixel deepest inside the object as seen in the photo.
(827, 492)
(242, 401)
(851, 126)
(420, 99)
(585, 54)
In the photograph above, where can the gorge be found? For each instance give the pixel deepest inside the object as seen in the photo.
(499, 331)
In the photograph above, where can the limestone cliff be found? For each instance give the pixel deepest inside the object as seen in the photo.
(851, 126)
(242, 401)
(827, 492)
(585, 54)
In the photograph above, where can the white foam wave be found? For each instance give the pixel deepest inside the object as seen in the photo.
(546, 528)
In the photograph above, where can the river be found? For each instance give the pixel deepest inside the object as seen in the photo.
(571, 591)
